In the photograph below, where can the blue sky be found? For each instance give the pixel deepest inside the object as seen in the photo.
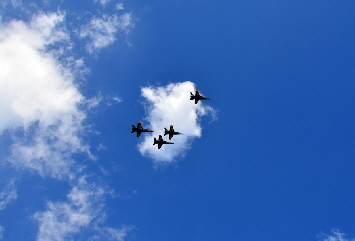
(269, 157)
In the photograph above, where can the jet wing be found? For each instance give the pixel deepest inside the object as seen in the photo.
(171, 128)
(138, 133)
(139, 125)
(160, 138)
(196, 101)
(197, 93)
(170, 136)
(159, 145)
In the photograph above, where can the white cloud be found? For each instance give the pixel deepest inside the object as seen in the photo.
(28, 78)
(101, 32)
(8, 194)
(38, 96)
(171, 105)
(336, 236)
(79, 215)
(33, 86)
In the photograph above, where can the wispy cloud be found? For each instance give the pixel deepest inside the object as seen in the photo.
(14, 3)
(119, 6)
(113, 99)
(112, 234)
(171, 105)
(336, 235)
(117, 99)
(101, 31)
(101, 147)
(102, 2)
(1, 231)
(8, 194)
(81, 213)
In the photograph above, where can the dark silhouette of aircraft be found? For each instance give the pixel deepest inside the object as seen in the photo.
(139, 129)
(160, 142)
(197, 97)
(171, 132)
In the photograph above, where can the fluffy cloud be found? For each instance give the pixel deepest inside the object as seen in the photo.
(30, 79)
(167, 106)
(101, 31)
(33, 84)
(38, 96)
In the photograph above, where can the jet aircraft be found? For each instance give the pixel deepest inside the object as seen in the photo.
(139, 129)
(160, 142)
(171, 132)
(197, 97)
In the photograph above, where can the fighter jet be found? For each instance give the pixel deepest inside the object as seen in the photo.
(197, 97)
(160, 142)
(139, 129)
(171, 132)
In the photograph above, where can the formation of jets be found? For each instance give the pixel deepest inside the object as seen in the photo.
(171, 132)
(139, 129)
